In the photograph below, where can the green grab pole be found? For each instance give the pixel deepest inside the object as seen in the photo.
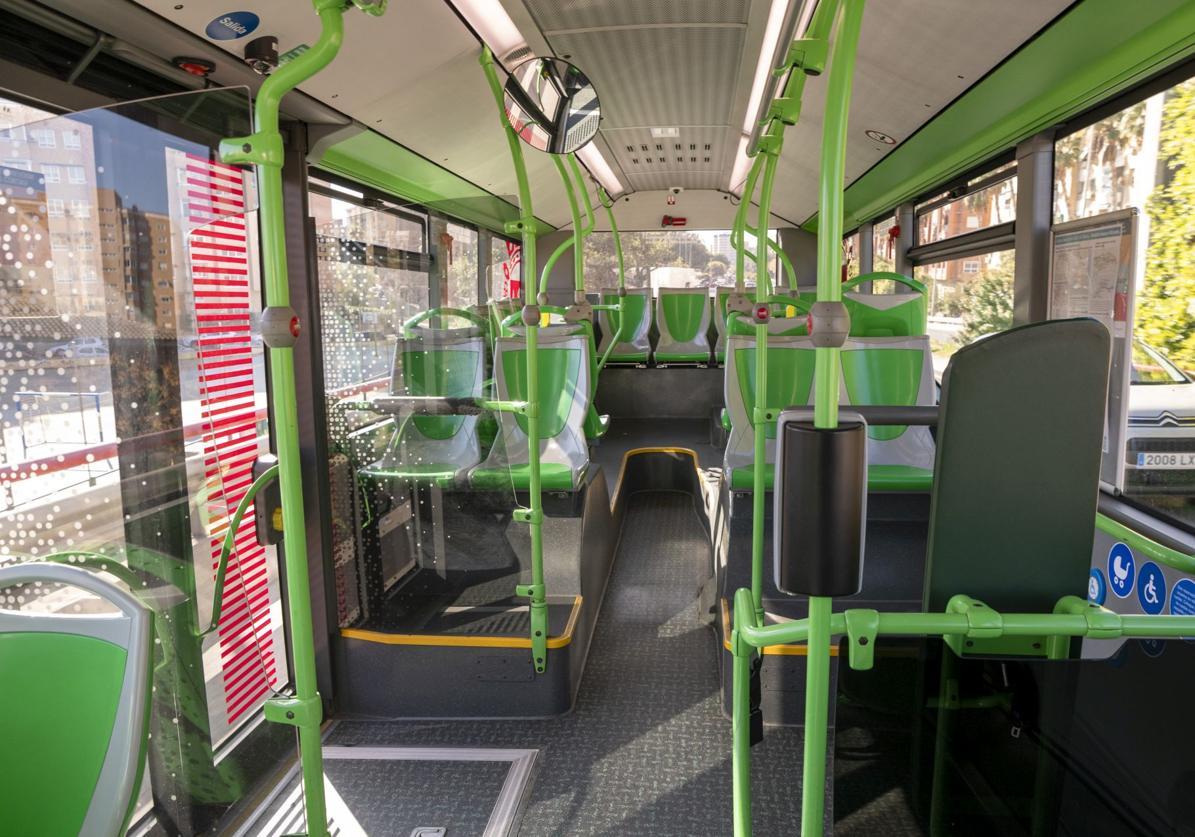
(533, 516)
(1151, 549)
(264, 150)
(229, 545)
(826, 369)
(571, 241)
(741, 726)
(622, 283)
(580, 233)
(759, 422)
(740, 224)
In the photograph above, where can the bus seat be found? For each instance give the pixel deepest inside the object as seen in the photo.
(1017, 474)
(596, 425)
(435, 450)
(634, 345)
(885, 371)
(900, 314)
(790, 382)
(892, 371)
(721, 297)
(683, 320)
(74, 708)
(564, 401)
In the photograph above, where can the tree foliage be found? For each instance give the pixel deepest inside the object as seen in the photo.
(1165, 314)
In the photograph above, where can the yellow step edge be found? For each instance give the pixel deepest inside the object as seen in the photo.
(795, 650)
(454, 641)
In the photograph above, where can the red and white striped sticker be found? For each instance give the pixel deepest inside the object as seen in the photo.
(221, 273)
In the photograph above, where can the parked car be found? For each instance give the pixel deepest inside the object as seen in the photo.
(82, 347)
(1160, 445)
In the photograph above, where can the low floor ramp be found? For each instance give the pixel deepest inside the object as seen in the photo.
(683, 320)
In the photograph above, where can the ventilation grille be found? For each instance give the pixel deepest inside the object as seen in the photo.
(658, 76)
(686, 180)
(554, 15)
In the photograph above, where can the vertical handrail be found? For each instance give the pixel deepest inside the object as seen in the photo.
(575, 213)
(825, 412)
(533, 515)
(622, 280)
(280, 329)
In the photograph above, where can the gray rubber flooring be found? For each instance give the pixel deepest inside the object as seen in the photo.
(647, 749)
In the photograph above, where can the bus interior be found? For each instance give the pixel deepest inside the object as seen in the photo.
(527, 417)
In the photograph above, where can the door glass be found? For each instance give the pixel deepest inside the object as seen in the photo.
(131, 409)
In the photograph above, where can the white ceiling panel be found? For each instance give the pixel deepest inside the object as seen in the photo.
(412, 75)
(659, 76)
(555, 15)
(915, 57)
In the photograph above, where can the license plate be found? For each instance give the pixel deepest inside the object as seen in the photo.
(1166, 460)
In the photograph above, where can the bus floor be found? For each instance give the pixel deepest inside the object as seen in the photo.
(646, 749)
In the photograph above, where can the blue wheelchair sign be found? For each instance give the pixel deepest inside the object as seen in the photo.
(1122, 570)
(1097, 588)
(1151, 588)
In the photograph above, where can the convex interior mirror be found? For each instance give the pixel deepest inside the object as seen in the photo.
(552, 105)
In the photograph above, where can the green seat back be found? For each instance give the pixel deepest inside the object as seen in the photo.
(58, 699)
(790, 376)
(886, 315)
(74, 709)
(1017, 470)
(559, 371)
(882, 377)
(638, 308)
(440, 372)
(684, 313)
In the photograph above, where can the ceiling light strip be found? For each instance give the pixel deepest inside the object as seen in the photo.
(496, 29)
(787, 21)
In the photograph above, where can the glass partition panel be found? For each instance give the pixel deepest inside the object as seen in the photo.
(423, 491)
(132, 408)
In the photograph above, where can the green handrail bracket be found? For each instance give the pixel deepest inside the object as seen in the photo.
(534, 515)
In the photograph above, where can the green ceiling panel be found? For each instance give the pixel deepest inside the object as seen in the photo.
(373, 160)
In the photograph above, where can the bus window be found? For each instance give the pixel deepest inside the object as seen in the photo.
(460, 274)
(883, 254)
(1144, 156)
(674, 259)
(969, 297)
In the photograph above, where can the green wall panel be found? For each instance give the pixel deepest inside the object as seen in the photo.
(373, 160)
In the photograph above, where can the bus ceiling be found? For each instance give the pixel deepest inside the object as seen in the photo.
(681, 84)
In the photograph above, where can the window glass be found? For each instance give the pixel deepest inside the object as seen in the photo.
(132, 407)
(671, 259)
(883, 254)
(969, 298)
(1144, 157)
(850, 255)
(460, 273)
(506, 268)
(987, 207)
(373, 275)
